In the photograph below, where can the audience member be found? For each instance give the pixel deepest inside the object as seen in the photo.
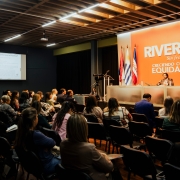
(92, 108)
(114, 109)
(15, 100)
(41, 96)
(163, 112)
(77, 153)
(62, 96)
(54, 95)
(145, 107)
(31, 94)
(70, 97)
(42, 121)
(27, 138)
(48, 98)
(173, 121)
(7, 92)
(24, 101)
(60, 119)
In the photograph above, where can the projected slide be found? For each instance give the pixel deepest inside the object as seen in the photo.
(12, 66)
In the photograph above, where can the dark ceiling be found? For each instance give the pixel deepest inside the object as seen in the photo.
(26, 17)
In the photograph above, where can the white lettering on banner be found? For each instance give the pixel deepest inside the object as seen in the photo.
(169, 49)
(166, 69)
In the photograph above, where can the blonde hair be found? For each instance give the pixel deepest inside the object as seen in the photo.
(5, 98)
(77, 128)
(175, 112)
(54, 90)
(36, 97)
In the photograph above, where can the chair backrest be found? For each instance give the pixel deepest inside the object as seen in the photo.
(120, 135)
(96, 131)
(111, 120)
(171, 172)
(52, 134)
(173, 136)
(5, 147)
(161, 148)
(69, 174)
(79, 107)
(91, 118)
(30, 162)
(140, 129)
(139, 117)
(131, 110)
(138, 162)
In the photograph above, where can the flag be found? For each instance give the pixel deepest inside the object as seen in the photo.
(134, 71)
(121, 66)
(127, 68)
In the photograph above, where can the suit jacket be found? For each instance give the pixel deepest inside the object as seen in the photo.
(146, 108)
(85, 157)
(61, 98)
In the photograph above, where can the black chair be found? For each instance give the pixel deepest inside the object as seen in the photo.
(120, 136)
(69, 174)
(131, 110)
(156, 112)
(139, 117)
(171, 172)
(173, 136)
(32, 164)
(52, 134)
(97, 131)
(138, 162)
(159, 148)
(91, 118)
(79, 107)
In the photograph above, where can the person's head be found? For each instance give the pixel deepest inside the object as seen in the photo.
(27, 123)
(77, 128)
(31, 93)
(40, 94)
(175, 112)
(6, 99)
(67, 107)
(7, 92)
(90, 103)
(24, 97)
(25, 90)
(37, 106)
(62, 91)
(147, 96)
(167, 104)
(70, 92)
(54, 91)
(48, 96)
(93, 89)
(112, 105)
(36, 97)
(15, 95)
(165, 75)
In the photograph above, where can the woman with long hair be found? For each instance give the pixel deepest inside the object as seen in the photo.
(77, 153)
(27, 138)
(92, 108)
(48, 97)
(24, 101)
(60, 119)
(114, 109)
(15, 100)
(167, 106)
(172, 122)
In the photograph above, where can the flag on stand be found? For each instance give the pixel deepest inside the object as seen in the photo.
(121, 66)
(134, 71)
(127, 68)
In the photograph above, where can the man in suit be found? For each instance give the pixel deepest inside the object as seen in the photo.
(145, 107)
(62, 96)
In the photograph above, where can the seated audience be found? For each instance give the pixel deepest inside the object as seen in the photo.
(54, 95)
(78, 154)
(11, 113)
(62, 96)
(31, 94)
(114, 109)
(92, 108)
(70, 97)
(41, 96)
(46, 108)
(42, 121)
(7, 92)
(60, 119)
(48, 98)
(173, 121)
(145, 107)
(15, 100)
(24, 101)
(27, 138)
(163, 112)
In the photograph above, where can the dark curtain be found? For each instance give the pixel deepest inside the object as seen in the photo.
(110, 62)
(74, 72)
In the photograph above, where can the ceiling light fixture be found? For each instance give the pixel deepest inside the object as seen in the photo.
(68, 16)
(50, 44)
(47, 24)
(91, 7)
(12, 38)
